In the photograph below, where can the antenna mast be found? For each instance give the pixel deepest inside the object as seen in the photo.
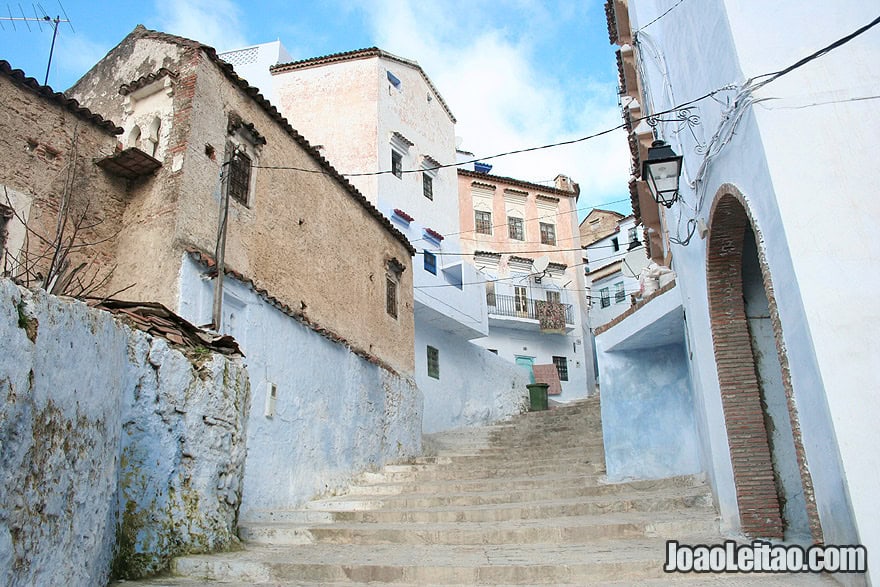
(40, 21)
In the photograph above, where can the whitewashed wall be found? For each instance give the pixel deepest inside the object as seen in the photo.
(475, 387)
(803, 161)
(112, 445)
(336, 414)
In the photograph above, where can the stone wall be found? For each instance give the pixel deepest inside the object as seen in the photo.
(116, 451)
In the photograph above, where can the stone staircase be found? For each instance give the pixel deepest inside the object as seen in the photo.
(523, 502)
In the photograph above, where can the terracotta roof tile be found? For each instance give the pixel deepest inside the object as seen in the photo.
(19, 78)
(361, 54)
(485, 177)
(146, 80)
(273, 113)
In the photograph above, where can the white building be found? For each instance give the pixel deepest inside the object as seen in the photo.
(773, 317)
(379, 118)
(610, 282)
(523, 237)
(253, 63)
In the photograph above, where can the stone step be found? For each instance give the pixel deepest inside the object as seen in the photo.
(487, 472)
(577, 506)
(433, 564)
(564, 530)
(547, 482)
(503, 494)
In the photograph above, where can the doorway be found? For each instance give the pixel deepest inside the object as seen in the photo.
(773, 486)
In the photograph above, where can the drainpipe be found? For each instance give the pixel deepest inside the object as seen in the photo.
(220, 251)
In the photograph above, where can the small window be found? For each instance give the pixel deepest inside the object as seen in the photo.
(483, 222)
(391, 296)
(493, 351)
(548, 233)
(553, 296)
(239, 176)
(515, 228)
(604, 297)
(395, 81)
(427, 186)
(396, 163)
(430, 262)
(433, 363)
(615, 244)
(633, 234)
(619, 293)
(561, 367)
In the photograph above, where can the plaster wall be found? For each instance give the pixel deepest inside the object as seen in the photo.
(128, 455)
(475, 386)
(512, 343)
(598, 224)
(337, 107)
(833, 157)
(253, 63)
(286, 238)
(762, 161)
(49, 151)
(647, 416)
(335, 413)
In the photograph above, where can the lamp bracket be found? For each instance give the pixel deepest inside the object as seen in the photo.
(682, 118)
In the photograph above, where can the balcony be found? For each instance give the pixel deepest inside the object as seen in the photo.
(521, 313)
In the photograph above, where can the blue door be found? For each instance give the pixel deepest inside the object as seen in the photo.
(527, 362)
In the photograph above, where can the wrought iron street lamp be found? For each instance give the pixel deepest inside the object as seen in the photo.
(661, 171)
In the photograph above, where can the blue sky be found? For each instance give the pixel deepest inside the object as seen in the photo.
(516, 73)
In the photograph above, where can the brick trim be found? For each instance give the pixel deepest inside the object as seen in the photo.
(750, 453)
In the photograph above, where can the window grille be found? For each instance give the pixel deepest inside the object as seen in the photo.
(515, 228)
(239, 176)
(483, 222)
(561, 367)
(548, 233)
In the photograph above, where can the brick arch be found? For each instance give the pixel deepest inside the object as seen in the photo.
(750, 452)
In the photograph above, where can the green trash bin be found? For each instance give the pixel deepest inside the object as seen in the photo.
(538, 396)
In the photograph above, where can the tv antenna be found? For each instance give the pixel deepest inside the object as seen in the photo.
(40, 21)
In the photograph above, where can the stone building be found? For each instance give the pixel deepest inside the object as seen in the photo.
(193, 136)
(763, 350)
(507, 226)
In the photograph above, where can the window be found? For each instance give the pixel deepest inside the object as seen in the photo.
(548, 233)
(553, 296)
(396, 163)
(604, 297)
(490, 293)
(391, 296)
(619, 294)
(483, 222)
(615, 244)
(520, 301)
(633, 234)
(493, 351)
(561, 367)
(515, 228)
(433, 362)
(239, 176)
(430, 262)
(427, 186)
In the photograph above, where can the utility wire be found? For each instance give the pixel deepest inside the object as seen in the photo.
(670, 9)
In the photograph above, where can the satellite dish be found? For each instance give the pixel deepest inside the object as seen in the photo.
(634, 262)
(541, 263)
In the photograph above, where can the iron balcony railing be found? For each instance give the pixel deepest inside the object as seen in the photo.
(500, 305)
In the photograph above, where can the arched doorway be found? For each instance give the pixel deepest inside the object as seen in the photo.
(773, 485)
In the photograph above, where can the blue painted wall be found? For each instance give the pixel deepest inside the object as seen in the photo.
(647, 414)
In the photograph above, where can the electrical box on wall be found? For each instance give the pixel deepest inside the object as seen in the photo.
(271, 396)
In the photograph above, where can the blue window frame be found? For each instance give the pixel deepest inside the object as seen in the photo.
(430, 262)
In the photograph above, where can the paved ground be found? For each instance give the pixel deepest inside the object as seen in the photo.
(519, 503)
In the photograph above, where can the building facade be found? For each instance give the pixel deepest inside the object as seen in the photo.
(511, 229)
(773, 368)
(209, 167)
(611, 280)
(379, 118)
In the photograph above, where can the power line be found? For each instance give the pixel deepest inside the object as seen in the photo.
(670, 9)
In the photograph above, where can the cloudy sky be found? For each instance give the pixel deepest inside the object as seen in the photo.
(516, 73)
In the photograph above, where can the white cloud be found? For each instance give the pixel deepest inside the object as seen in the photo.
(217, 23)
(504, 99)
